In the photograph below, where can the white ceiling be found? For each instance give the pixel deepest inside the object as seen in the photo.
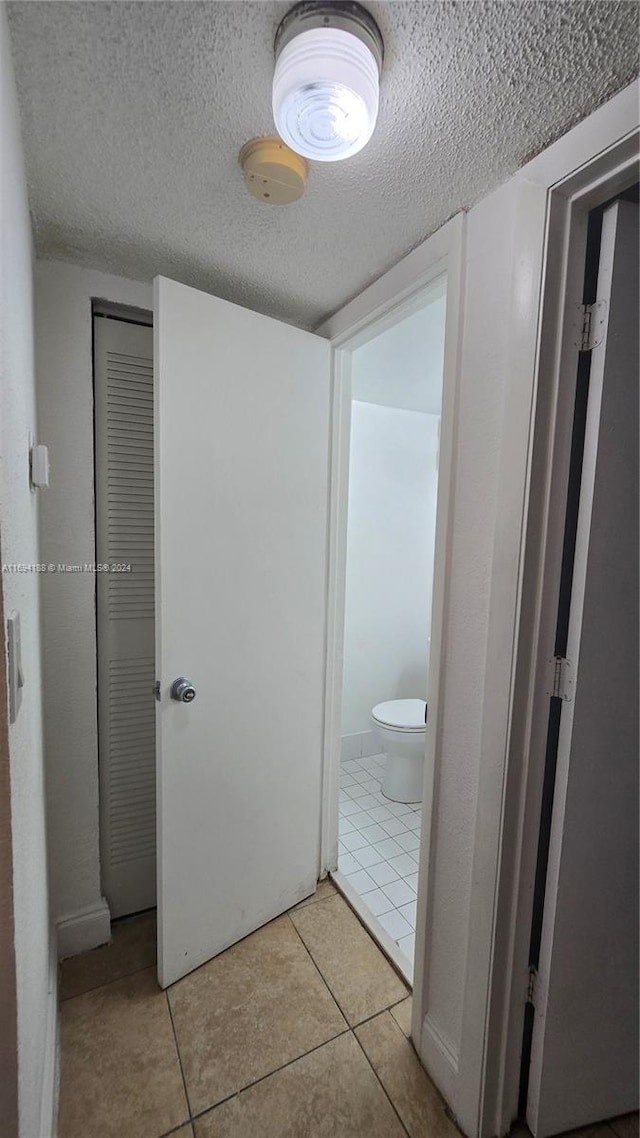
(134, 113)
(402, 366)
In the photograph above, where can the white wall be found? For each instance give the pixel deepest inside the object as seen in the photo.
(502, 272)
(402, 366)
(35, 962)
(67, 531)
(475, 492)
(390, 545)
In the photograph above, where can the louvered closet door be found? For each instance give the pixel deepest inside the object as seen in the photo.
(125, 601)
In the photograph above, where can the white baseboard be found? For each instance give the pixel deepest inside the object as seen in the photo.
(438, 1056)
(51, 1065)
(359, 746)
(371, 745)
(83, 930)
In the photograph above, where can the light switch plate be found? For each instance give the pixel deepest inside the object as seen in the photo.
(14, 653)
(39, 466)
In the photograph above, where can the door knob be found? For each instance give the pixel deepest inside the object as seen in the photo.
(183, 690)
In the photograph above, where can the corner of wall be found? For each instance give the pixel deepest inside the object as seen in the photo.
(83, 930)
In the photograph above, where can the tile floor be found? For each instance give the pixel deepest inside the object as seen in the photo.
(378, 849)
(299, 1031)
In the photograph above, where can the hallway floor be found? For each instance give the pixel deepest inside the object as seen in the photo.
(379, 843)
(299, 1031)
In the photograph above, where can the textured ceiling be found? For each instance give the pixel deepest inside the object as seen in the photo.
(134, 113)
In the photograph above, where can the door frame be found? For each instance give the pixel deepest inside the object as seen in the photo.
(575, 611)
(569, 200)
(378, 307)
(8, 980)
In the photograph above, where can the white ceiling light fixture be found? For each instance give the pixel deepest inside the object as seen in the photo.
(325, 86)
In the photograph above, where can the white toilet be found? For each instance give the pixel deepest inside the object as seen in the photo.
(401, 728)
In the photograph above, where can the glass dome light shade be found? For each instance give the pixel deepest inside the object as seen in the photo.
(325, 94)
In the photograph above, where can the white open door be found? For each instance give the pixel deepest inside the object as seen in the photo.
(242, 455)
(584, 1063)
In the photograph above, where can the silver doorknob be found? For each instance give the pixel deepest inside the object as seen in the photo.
(183, 690)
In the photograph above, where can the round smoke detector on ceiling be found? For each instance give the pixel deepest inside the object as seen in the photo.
(273, 172)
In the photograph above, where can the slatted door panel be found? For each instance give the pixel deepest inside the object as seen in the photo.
(125, 606)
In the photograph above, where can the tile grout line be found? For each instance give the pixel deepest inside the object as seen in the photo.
(387, 1008)
(312, 900)
(348, 1029)
(261, 1079)
(317, 967)
(382, 1086)
(394, 909)
(176, 1129)
(408, 994)
(175, 1039)
(105, 983)
(381, 950)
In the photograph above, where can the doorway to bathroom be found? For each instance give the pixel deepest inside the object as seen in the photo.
(289, 526)
(392, 379)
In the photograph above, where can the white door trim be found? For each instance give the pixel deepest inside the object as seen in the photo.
(378, 306)
(475, 1070)
(605, 163)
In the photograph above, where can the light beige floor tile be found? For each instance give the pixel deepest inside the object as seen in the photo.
(120, 1072)
(626, 1126)
(357, 972)
(255, 1007)
(132, 948)
(183, 1132)
(331, 1093)
(325, 889)
(404, 1079)
(402, 1015)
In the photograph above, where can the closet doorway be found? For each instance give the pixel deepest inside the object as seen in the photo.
(124, 500)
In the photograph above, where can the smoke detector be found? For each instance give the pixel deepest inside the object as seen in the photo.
(273, 172)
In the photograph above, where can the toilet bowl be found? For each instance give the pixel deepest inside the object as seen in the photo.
(400, 726)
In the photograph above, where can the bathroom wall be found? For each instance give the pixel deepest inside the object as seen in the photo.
(390, 545)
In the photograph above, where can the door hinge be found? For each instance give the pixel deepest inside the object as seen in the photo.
(560, 680)
(156, 690)
(591, 325)
(531, 988)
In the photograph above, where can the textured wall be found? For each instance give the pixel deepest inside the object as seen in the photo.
(134, 115)
(67, 532)
(36, 994)
(393, 479)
